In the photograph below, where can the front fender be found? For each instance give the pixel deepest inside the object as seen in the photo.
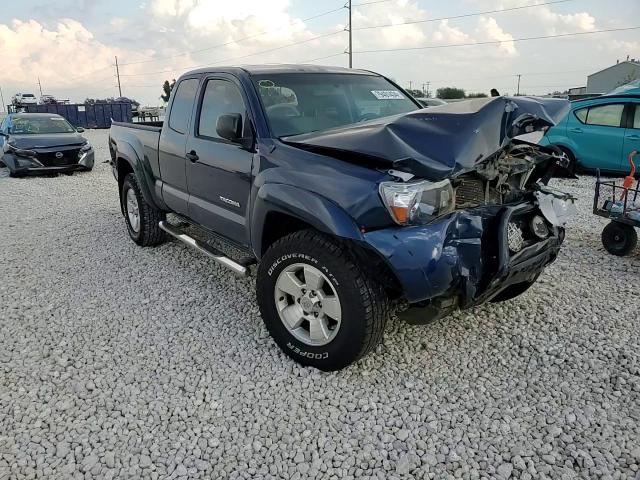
(141, 167)
(309, 207)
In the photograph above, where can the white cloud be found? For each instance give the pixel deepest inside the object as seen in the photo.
(488, 30)
(446, 34)
(74, 60)
(171, 8)
(56, 54)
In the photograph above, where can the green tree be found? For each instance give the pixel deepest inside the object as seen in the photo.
(167, 88)
(450, 92)
(477, 95)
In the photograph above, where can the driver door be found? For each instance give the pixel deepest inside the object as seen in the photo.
(219, 170)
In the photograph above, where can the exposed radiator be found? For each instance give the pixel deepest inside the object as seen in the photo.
(469, 193)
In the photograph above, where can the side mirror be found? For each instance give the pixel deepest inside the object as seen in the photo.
(229, 127)
(79, 129)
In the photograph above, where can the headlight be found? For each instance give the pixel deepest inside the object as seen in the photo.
(8, 147)
(417, 202)
(86, 147)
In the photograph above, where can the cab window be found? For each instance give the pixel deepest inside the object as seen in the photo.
(221, 97)
(182, 105)
(636, 117)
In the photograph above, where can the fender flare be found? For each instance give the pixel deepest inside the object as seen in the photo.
(309, 207)
(142, 170)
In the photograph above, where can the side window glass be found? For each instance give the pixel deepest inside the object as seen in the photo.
(184, 96)
(582, 115)
(220, 97)
(636, 117)
(605, 115)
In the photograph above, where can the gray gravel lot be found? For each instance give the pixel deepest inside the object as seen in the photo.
(122, 362)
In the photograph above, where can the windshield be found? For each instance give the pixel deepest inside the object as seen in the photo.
(26, 126)
(297, 103)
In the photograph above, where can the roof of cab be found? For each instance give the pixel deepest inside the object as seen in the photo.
(278, 68)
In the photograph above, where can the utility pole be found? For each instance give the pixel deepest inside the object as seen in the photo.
(118, 75)
(410, 84)
(350, 36)
(2, 98)
(519, 75)
(426, 92)
(40, 85)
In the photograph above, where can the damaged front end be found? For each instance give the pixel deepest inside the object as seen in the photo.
(476, 219)
(490, 242)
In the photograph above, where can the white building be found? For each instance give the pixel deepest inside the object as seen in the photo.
(619, 74)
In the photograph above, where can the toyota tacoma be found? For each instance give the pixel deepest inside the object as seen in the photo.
(352, 200)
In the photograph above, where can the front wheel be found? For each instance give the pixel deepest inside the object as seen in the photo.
(317, 303)
(142, 219)
(619, 239)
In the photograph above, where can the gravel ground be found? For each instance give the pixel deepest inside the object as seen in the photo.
(123, 362)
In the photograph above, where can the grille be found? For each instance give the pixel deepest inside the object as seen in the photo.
(469, 193)
(69, 157)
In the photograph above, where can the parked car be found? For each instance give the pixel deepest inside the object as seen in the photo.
(352, 198)
(599, 133)
(23, 99)
(430, 102)
(48, 100)
(37, 143)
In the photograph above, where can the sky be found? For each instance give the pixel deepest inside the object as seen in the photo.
(71, 45)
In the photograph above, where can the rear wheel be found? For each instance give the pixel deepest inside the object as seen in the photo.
(318, 305)
(619, 239)
(142, 219)
(573, 163)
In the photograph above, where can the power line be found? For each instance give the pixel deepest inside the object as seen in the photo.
(454, 17)
(234, 58)
(364, 4)
(494, 42)
(231, 42)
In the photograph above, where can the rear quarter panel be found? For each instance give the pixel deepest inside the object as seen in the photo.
(139, 147)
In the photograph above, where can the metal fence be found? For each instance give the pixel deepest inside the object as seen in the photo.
(95, 115)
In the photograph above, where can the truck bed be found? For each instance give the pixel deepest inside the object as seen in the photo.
(151, 126)
(143, 137)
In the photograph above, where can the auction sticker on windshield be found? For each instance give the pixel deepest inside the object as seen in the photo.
(387, 94)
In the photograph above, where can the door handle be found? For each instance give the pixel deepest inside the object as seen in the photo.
(633, 137)
(575, 130)
(193, 156)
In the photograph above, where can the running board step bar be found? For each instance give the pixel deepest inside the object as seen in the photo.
(216, 255)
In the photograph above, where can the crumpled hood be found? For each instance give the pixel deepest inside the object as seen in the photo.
(437, 142)
(37, 141)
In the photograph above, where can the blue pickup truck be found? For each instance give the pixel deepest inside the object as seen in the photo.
(352, 200)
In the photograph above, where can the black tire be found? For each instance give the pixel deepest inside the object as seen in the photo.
(513, 291)
(149, 233)
(364, 303)
(573, 162)
(619, 239)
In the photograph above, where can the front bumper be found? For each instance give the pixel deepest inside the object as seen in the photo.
(463, 259)
(22, 166)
